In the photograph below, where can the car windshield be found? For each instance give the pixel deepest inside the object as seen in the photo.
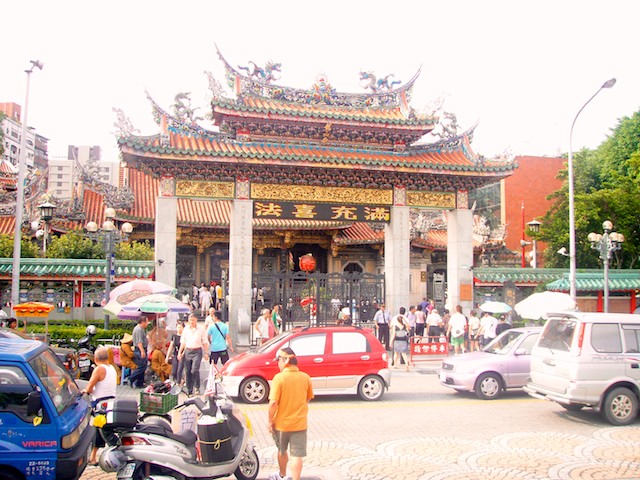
(267, 345)
(55, 379)
(503, 343)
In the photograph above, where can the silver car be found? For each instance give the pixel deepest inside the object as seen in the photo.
(503, 363)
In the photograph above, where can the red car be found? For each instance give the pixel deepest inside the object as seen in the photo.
(340, 360)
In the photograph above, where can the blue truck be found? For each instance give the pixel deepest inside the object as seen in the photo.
(45, 423)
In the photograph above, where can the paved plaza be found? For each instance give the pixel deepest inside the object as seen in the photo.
(421, 430)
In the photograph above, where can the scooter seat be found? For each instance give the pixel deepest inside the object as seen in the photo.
(186, 437)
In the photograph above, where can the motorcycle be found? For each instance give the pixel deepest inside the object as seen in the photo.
(147, 448)
(85, 352)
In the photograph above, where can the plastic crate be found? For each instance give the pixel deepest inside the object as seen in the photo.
(157, 402)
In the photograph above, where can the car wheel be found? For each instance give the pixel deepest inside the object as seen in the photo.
(488, 386)
(620, 406)
(572, 407)
(10, 475)
(371, 388)
(254, 390)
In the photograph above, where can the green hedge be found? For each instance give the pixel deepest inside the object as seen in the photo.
(62, 333)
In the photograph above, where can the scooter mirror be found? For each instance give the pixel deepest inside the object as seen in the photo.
(175, 390)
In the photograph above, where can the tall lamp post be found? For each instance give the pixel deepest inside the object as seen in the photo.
(572, 219)
(22, 166)
(606, 244)
(110, 236)
(534, 227)
(46, 214)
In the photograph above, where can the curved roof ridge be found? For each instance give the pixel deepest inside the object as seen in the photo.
(245, 85)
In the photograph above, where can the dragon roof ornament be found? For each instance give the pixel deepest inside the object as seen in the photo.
(180, 125)
(123, 125)
(257, 83)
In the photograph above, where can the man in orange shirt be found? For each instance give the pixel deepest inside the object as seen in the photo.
(290, 393)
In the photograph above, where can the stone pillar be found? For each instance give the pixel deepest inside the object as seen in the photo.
(240, 268)
(165, 239)
(397, 244)
(460, 259)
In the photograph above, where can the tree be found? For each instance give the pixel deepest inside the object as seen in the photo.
(134, 251)
(606, 186)
(27, 248)
(74, 244)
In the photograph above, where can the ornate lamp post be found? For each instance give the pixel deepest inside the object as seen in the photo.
(572, 219)
(534, 227)
(606, 244)
(22, 166)
(46, 214)
(110, 236)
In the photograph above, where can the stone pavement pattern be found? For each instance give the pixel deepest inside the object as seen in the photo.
(424, 431)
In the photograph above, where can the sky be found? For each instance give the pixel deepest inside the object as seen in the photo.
(519, 70)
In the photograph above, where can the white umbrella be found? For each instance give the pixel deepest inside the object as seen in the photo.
(129, 291)
(156, 303)
(535, 306)
(495, 307)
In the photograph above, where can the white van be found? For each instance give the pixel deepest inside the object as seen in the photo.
(589, 360)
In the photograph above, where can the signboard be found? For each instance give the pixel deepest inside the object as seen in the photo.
(321, 211)
(427, 346)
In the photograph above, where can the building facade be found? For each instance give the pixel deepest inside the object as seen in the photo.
(288, 172)
(36, 145)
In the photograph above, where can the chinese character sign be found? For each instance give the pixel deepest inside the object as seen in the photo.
(322, 211)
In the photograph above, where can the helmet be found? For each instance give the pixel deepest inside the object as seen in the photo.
(91, 330)
(112, 460)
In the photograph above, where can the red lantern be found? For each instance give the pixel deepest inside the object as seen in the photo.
(307, 263)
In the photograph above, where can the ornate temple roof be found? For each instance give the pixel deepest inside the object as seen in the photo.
(440, 158)
(593, 281)
(270, 125)
(71, 269)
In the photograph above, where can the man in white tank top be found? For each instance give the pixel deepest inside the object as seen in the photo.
(102, 384)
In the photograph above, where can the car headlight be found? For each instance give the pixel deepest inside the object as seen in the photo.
(70, 440)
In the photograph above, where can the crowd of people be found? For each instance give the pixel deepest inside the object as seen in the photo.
(172, 350)
(464, 333)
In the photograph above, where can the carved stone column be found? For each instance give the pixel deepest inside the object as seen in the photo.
(460, 255)
(165, 233)
(396, 254)
(240, 265)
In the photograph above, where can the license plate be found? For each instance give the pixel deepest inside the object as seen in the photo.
(443, 377)
(84, 363)
(127, 471)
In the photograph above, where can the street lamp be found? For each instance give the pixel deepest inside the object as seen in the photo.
(46, 214)
(572, 220)
(534, 227)
(606, 244)
(110, 236)
(22, 165)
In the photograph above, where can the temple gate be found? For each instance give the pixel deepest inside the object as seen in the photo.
(290, 170)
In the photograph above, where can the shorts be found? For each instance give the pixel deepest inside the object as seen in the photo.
(457, 341)
(295, 441)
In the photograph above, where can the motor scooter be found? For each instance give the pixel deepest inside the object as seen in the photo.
(147, 448)
(83, 351)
